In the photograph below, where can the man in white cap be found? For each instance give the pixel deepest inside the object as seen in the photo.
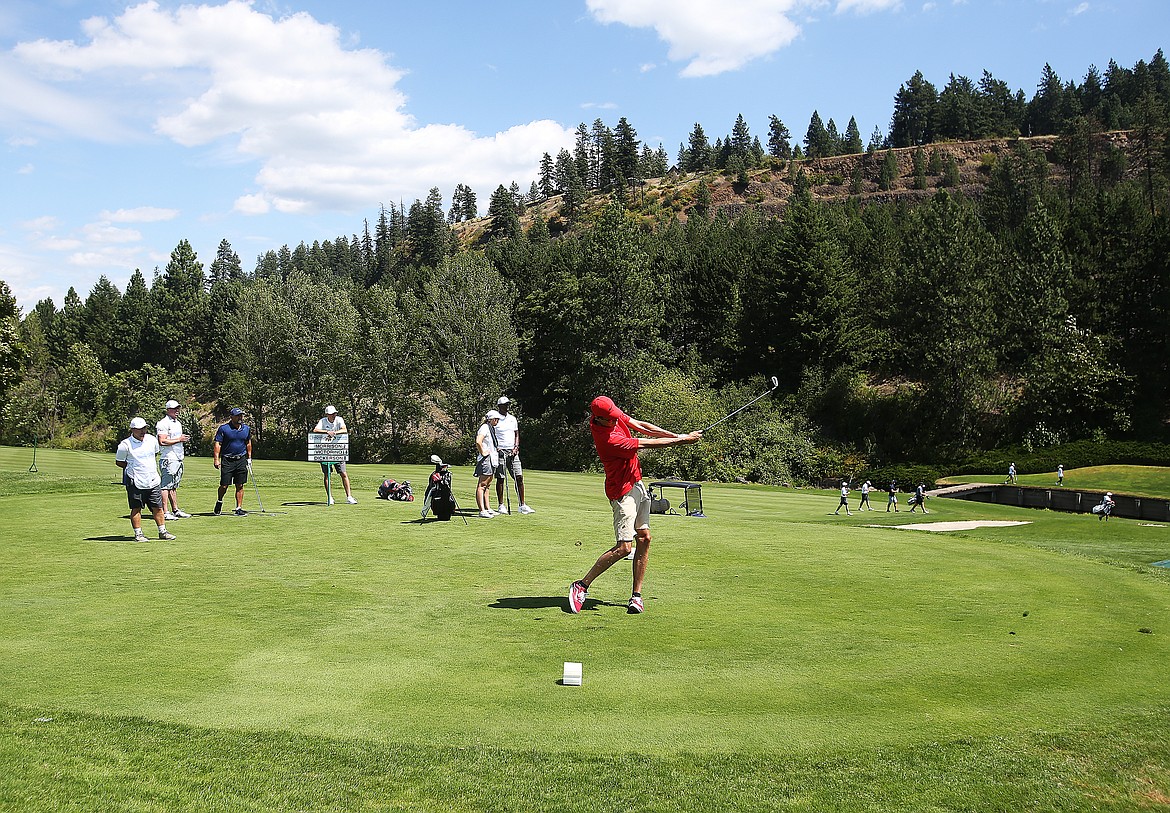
(333, 425)
(135, 457)
(508, 445)
(171, 440)
(486, 461)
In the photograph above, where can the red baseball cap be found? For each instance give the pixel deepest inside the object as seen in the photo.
(603, 407)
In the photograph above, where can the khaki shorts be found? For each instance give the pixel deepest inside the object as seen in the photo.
(631, 513)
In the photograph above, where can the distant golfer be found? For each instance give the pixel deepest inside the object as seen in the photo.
(1060, 474)
(864, 505)
(508, 445)
(333, 425)
(1107, 503)
(1011, 475)
(135, 457)
(233, 444)
(919, 499)
(618, 450)
(844, 500)
(171, 439)
(893, 490)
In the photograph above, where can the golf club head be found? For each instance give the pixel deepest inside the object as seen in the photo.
(438, 461)
(775, 382)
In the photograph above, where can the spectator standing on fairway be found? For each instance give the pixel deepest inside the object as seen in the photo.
(233, 443)
(1011, 475)
(1060, 474)
(333, 425)
(508, 446)
(920, 499)
(486, 461)
(135, 457)
(893, 489)
(618, 450)
(844, 500)
(864, 504)
(171, 440)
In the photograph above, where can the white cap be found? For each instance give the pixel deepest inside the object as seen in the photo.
(493, 416)
(503, 400)
(137, 423)
(172, 404)
(331, 410)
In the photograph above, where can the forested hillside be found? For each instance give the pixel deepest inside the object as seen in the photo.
(949, 287)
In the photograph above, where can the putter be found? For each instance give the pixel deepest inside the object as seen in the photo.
(770, 390)
(507, 488)
(252, 477)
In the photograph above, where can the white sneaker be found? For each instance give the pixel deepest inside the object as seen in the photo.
(181, 514)
(524, 509)
(351, 500)
(168, 516)
(503, 509)
(487, 514)
(331, 501)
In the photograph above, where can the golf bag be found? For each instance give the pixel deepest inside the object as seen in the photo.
(438, 497)
(1097, 509)
(658, 505)
(393, 490)
(912, 501)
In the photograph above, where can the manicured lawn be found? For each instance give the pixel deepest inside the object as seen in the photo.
(349, 657)
(1144, 481)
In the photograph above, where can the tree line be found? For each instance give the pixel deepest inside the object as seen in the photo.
(1034, 313)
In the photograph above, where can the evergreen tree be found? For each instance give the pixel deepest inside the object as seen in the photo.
(177, 333)
(505, 222)
(741, 139)
(698, 155)
(817, 143)
(779, 139)
(135, 312)
(852, 144)
(914, 113)
(547, 180)
(626, 149)
(888, 173)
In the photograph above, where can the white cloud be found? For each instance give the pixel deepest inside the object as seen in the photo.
(867, 6)
(251, 205)
(22, 141)
(712, 36)
(1081, 8)
(40, 225)
(59, 243)
(141, 214)
(106, 233)
(599, 105)
(27, 169)
(327, 125)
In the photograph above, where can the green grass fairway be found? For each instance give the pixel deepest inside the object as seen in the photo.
(352, 658)
(1143, 481)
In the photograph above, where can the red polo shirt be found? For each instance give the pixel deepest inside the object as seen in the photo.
(618, 450)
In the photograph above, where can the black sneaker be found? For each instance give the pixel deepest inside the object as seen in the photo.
(217, 509)
(240, 512)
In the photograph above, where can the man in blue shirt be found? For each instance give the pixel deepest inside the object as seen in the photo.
(233, 444)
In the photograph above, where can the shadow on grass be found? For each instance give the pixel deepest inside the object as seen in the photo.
(129, 540)
(546, 603)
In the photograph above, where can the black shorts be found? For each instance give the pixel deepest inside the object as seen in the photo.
(233, 471)
(139, 498)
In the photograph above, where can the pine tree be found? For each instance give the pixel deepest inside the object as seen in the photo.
(914, 113)
(698, 155)
(547, 180)
(852, 144)
(779, 139)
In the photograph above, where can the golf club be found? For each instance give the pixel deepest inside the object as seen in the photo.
(772, 389)
(252, 477)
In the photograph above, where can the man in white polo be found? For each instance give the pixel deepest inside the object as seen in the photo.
(171, 439)
(333, 425)
(135, 456)
(507, 434)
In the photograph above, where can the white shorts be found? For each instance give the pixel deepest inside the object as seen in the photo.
(631, 513)
(171, 471)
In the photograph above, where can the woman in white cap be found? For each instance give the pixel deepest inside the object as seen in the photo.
(135, 457)
(333, 425)
(486, 461)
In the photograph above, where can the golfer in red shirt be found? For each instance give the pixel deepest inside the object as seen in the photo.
(618, 450)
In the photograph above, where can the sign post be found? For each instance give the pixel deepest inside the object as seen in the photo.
(324, 448)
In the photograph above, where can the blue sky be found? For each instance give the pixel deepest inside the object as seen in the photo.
(127, 128)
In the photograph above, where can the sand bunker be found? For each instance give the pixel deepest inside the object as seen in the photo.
(963, 525)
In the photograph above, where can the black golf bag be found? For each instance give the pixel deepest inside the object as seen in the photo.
(438, 497)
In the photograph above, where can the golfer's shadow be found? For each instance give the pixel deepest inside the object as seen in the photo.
(113, 538)
(427, 520)
(545, 603)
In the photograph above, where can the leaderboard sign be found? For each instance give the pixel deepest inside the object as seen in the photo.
(326, 449)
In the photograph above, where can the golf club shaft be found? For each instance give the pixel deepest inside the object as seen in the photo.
(775, 384)
(255, 482)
